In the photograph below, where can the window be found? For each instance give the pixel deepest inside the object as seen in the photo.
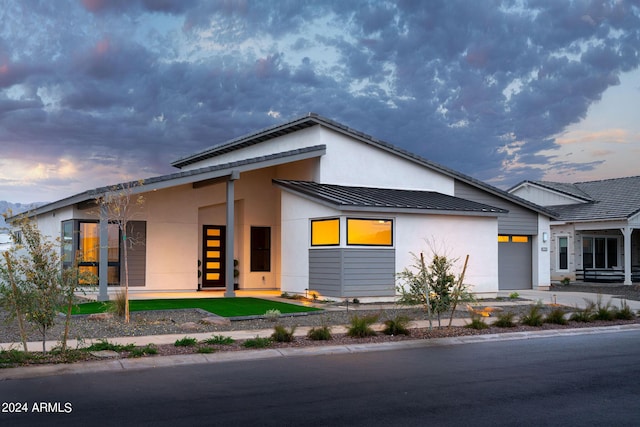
(325, 232)
(370, 232)
(563, 253)
(86, 238)
(260, 248)
(599, 252)
(502, 238)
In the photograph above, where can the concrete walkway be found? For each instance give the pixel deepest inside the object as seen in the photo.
(568, 299)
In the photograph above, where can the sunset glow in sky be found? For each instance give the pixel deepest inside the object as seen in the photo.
(95, 92)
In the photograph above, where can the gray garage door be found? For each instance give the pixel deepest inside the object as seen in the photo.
(514, 262)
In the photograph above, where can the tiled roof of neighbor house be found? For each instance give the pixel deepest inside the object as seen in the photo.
(608, 199)
(381, 199)
(313, 119)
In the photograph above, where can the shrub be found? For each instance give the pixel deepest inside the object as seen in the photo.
(186, 342)
(257, 342)
(144, 351)
(272, 314)
(106, 345)
(624, 312)
(281, 334)
(533, 317)
(206, 350)
(505, 320)
(514, 295)
(396, 326)
(322, 333)
(361, 326)
(219, 340)
(585, 314)
(477, 322)
(603, 311)
(556, 316)
(118, 305)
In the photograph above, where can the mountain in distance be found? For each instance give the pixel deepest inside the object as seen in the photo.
(15, 209)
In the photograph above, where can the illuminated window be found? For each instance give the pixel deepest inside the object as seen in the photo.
(325, 232)
(503, 239)
(520, 239)
(371, 232)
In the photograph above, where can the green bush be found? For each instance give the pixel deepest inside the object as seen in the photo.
(144, 351)
(556, 316)
(257, 342)
(106, 345)
(322, 333)
(361, 326)
(603, 311)
(281, 334)
(206, 350)
(624, 312)
(514, 295)
(505, 320)
(398, 325)
(586, 314)
(533, 317)
(186, 342)
(219, 340)
(477, 322)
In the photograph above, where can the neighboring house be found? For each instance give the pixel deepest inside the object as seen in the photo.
(595, 235)
(309, 205)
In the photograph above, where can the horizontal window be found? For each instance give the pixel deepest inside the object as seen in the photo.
(325, 232)
(513, 239)
(370, 232)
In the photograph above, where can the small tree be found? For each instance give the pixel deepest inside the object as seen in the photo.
(435, 286)
(121, 208)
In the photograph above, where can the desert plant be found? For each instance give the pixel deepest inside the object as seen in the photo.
(144, 351)
(533, 317)
(118, 305)
(219, 340)
(603, 311)
(624, 312)
(556, 316)
(205, 350)
(514, 295)
(257, 342)
(186, 342)
(321, 333)
(398, 325)
(505, 320)
(477, 322)
(104, 344)
(272, 314)
(281, 334)
(361, 326)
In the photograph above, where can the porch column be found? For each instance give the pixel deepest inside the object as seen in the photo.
(229, 290)
(103, 257)
(626, 236)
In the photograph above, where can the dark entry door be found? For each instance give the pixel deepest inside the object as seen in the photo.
(213, 256)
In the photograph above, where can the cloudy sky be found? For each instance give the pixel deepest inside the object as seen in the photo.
(95, 92)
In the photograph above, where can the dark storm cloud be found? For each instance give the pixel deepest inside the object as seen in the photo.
(454, 81)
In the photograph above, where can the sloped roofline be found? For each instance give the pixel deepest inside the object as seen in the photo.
(313, 119)
(545, 186)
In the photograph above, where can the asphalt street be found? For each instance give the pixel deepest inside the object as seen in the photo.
(586, 379)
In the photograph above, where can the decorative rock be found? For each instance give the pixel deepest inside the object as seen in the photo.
(215, 320)
(105, 354)
(100, 316)
(189, 326)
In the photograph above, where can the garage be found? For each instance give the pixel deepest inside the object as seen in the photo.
(514, 262)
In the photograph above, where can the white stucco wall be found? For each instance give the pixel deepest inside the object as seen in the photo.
(543, 197)
(541, 255)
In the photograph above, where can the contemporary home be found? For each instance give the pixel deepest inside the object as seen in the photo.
(595, 232)
(309, 205)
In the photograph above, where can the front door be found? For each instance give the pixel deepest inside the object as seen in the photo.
(213, 256)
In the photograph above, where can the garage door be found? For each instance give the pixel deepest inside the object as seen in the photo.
(514, 262)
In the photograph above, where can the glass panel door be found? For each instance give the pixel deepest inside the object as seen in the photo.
(213, 256)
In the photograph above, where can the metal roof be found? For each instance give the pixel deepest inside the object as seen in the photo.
(387, 199)
(608, 199)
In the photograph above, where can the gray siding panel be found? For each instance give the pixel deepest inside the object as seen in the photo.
(519, 220)
(352, 272)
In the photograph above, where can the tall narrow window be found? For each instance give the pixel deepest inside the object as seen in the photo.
(563, 253)
(325, 232)
(260, 248)
(369, 232)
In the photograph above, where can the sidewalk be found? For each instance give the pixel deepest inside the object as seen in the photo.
(568, 299)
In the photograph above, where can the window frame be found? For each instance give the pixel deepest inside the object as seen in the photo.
(392, 235)
(559, 253)
(324, 220)
(262, 254)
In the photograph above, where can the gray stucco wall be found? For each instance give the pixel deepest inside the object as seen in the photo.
(352, 272)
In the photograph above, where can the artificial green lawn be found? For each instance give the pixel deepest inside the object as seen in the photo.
(225, 307)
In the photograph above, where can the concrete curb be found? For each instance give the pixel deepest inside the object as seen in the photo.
(238, 356)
